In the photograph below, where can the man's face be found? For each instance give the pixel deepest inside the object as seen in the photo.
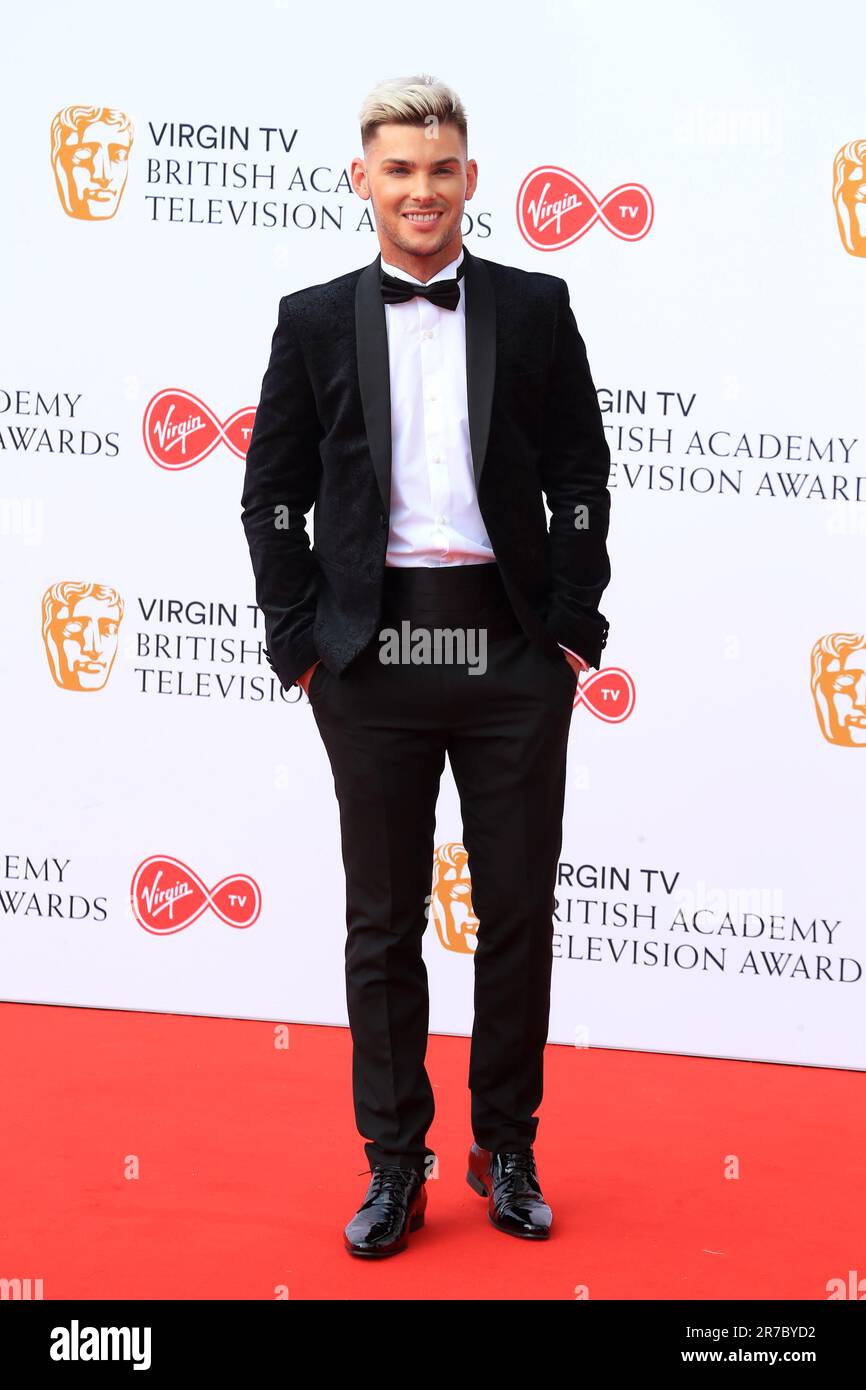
(413, 170)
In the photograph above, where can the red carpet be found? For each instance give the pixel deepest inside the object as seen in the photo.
(250, 1166)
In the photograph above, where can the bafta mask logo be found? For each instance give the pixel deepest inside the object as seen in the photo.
(90, 148)
(80, 624)
(849, 196)
(839, 687)
(451, 900)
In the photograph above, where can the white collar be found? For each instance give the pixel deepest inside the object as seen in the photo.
(446, 272)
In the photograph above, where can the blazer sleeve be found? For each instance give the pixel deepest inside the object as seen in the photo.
(281, 481)
(575, 467)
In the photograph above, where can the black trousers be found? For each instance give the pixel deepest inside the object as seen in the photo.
(387, 728)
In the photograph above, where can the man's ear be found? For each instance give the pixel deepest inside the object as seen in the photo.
(358, 171)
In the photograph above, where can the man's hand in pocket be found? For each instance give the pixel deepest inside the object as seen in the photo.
(304, 680)
(577, 664)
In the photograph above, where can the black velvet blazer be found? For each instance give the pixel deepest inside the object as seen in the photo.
(322, 437)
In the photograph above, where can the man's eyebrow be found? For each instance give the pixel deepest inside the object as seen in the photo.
(410, 163)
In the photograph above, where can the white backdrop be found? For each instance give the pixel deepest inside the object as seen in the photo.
(712, 896)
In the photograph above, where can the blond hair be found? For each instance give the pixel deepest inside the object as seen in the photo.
(418, 101)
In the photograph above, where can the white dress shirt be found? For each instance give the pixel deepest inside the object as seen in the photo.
(435, 518)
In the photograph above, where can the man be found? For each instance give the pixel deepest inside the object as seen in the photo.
(425, 404)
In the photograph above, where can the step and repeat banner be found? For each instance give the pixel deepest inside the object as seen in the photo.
(697, 174)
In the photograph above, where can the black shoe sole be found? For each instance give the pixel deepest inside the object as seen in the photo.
(476, 1184)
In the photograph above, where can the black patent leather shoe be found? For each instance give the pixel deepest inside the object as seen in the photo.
(394, 1206)
(510, 1183)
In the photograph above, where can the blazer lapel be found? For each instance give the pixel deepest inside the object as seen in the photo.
(371, 341)
(374, 373)
(480, 357)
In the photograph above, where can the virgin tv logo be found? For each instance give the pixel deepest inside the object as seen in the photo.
(167, 896)
(555, 208)
(180, 430)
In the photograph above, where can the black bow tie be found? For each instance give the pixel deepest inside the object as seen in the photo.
(445, 293)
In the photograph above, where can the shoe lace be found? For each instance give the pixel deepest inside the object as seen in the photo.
(390, 1177)
(523, 1160)
(521, 1164)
